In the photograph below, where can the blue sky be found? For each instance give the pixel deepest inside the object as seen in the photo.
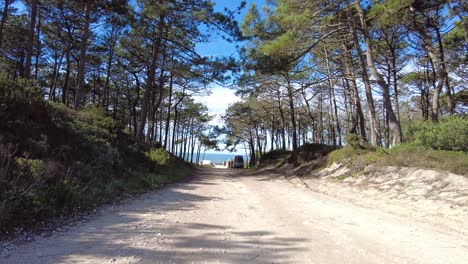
(218, 46)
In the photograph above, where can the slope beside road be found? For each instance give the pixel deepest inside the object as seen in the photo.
(228, 216)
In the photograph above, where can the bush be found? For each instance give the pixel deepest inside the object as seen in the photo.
(450, 133)
(33, 166)
(19, 90)
(91, 123)
(403, 155)
(158, 156)
(357, 142)
(311, 152)
(411, 155)
(275, 154)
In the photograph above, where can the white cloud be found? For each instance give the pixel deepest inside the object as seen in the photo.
(218, 101)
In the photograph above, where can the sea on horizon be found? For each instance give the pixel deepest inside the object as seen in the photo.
(219, 158)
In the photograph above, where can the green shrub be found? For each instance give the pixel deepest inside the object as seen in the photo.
(411, 155)
(91, 123)
(345, 154)
(275, 154)
(63, 152)
(34, 166)
(353, 140)
(357, 142)
(403, 155)
(450, 133)
(18, 90)
(311, 152)
(158, 156)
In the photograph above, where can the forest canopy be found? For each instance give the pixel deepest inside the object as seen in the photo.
(314, 71)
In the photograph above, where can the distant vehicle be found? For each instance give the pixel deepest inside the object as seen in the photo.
(238, 162)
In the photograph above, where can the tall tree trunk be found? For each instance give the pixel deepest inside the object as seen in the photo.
(292, 113)
(82, 63)
(57, 66)
(151, 118)
(355, 92)
(192, 151)
(427, 45)
(198, 151)
(351, 119)
(135, 104)
(337, 120)
(331, 97)
(110, 58)
(38, 44)
(30, 42)
(272, 134)
(392, 119)
(253, 159)
(259, 145)
(157, 104)
(176, 115)
(161, 122)
(365, 77)
(309, 112)
(168, 117)
(150, 80)
(448, 93)
(283, 121)
(395, 82)
(321, 138)
(6, 7)
(66, 82)
(331, 122)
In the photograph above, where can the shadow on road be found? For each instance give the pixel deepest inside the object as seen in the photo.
(137, 232)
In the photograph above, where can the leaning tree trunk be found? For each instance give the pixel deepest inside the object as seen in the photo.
(355, 93)
(365, 78)
(441, 74)
(392, 119)
(448, 93)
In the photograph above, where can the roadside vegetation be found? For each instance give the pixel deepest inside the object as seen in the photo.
(55, 160)
(97, 100)
(441, 146)
(387, 74)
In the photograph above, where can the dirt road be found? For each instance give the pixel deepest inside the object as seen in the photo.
(223, 217)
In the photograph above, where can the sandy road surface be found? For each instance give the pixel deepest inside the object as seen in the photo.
(223, 217)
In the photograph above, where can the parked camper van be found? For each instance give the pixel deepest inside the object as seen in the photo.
(238, 162)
